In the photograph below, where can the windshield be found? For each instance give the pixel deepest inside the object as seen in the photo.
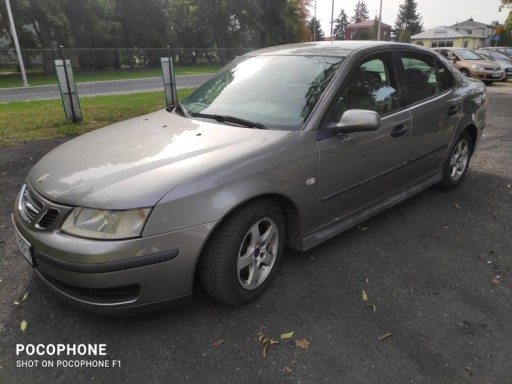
(278, 92)
(465, 54)
(498, 56)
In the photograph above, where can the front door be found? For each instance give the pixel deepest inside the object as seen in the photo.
(362, 169)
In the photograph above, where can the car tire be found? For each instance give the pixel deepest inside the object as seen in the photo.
(457, 163)
(465, 72)
(241, 257)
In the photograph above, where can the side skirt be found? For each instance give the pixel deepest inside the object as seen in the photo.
(358, 217)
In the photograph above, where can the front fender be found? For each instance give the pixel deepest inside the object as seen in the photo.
(285, 168)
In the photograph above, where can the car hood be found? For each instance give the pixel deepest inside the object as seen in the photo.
(483, 63)
(134, 163)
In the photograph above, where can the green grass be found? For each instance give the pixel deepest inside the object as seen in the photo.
(44, 119)
(10, 79)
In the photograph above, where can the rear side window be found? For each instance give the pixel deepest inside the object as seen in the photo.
(424, 76)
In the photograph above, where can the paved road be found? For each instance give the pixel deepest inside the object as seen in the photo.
(438, 269)
(99, 88)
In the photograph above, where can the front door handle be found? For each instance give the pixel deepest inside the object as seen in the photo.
(399, 130)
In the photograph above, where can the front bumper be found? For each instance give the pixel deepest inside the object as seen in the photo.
(488, 75)
(113, 276)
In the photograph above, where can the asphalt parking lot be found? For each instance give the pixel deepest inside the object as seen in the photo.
(421, 293)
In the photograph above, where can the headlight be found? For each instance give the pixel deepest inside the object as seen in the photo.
(477, 67)
(103, 224)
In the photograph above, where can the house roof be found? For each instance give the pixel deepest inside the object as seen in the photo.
(468, 28)
(470, 23)
(367, 24)
(446, 33)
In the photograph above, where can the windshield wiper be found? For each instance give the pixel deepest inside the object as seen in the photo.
(230, 119)
(178, 107)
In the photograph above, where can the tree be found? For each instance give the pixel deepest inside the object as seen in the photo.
(507, 28)
(360, 12)
(155, 23)
(340, 24)
(186, 28)
(231, 23)
(284, 21)
(315, 29)
(143, 23)
(47, 22)
(374, 30)
(408, 21)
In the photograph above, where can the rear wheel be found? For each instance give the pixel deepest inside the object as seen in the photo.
(457, 163)
(241, 258)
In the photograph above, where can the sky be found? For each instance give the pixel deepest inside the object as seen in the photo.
(434, 13)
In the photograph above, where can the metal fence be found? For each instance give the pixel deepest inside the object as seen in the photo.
(105, 65)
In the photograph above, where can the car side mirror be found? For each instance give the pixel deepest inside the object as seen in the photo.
(357, 120)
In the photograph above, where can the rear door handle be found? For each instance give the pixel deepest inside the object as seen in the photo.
(399, 130)
(452, 110)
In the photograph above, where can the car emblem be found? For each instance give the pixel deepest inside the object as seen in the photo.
(43, 178)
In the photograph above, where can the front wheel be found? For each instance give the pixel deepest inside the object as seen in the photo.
(241, 258)
(457, 163)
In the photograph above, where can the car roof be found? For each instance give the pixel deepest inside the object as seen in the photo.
(337, 48)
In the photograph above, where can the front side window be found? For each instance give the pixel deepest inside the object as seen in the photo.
(276, 92)
(424, 76)
(371, 86)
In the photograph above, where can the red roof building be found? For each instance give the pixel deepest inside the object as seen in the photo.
(366, 29)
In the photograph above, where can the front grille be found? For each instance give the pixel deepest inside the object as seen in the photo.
(29, 205)
(48, 218)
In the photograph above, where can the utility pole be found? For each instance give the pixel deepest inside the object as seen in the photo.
(380, 20)
(332, 18)
(314, 24)
(16, 44)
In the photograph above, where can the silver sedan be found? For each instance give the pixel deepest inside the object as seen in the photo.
(289, 145)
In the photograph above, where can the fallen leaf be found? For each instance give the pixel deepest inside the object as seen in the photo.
(217, 343)
(264, 354)
(23, 325)
(287, 370)
(16, 303)
(372, 306)
(288, 335)
(302, 343)
(267, 342)
(364, 296)
(384, 336)
(25, 296)
(456, 205)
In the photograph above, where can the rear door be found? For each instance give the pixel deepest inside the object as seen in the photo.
(435, 110)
